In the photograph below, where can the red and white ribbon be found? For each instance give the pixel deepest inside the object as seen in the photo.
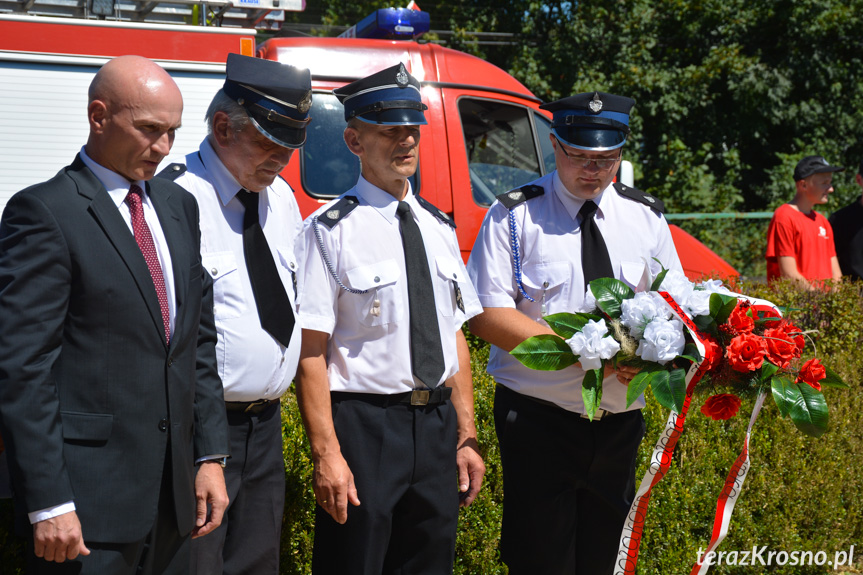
(730, 493)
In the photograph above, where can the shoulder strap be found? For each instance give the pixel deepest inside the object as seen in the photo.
(172, 172)
(436, 212)
(513, 198)
(338, 211)
(637, 195)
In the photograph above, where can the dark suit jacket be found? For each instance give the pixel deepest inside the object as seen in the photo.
(91, 397)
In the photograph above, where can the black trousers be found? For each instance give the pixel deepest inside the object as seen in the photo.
(249, 538)
(568, 484)
(403, 461)
(162, 552)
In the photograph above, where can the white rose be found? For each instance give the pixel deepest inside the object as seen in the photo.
(698, 303)
(714, 286)
(678, 286)
(589, 303)
(639, 311)
(591, 345)
(662, 341)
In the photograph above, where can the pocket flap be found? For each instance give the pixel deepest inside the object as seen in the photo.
(636, 275)
(450, 269)
(373, 276)
(287, 258)
(86, 426)
(219, 264)
(547, 275)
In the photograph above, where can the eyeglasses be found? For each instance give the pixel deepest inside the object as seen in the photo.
(581, 161)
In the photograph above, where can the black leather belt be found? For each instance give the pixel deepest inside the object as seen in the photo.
(417, 397)
(250, 406)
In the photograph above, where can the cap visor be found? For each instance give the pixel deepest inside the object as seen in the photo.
(590, 138)
(395, 117)
(279, 133)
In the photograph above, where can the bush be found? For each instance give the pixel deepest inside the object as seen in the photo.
(801, 494)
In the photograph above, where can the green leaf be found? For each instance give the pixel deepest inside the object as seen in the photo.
(768, 370)
(833, 380)
(721, 306)
(783, 394)
(677, 383)
(705, 323)
(637, 386)
(809, 412)
(568, 324)
(658, 281)
(544, 352)
(609, 294)
(591, 391)
(690, 350)
(660, 384)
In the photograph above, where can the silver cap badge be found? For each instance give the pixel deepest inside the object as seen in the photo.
(402, 76)
(595, 105)
(306, 103)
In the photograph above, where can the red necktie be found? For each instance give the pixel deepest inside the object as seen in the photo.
(148, 248)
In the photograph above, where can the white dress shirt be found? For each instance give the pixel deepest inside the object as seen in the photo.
(252, 364)
(369, 347)
(549, 237)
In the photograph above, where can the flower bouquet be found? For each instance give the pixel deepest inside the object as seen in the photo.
(685, 338)
(742, 346)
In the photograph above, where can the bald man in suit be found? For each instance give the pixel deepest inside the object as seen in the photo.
(110, 404)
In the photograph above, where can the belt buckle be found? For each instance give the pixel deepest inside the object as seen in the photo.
(420, 397)
(254, 404)
(599, 414)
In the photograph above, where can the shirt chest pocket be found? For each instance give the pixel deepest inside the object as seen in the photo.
(383, 301)
(288, 270)
(447, 292)
(549, 284)
(228, 289)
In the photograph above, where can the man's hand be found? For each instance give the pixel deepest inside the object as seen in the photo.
(334, 486)
(471, 470)
(59, 538)
(209, 491)
(625, 373)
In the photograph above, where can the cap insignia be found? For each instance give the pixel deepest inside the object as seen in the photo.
(306, 102)
(402, 76)
(595, 105)
(515, 195)
(333, 214)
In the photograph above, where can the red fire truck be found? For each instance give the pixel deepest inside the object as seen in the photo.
(485, 134)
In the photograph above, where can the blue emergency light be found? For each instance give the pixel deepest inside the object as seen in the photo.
(391, 24)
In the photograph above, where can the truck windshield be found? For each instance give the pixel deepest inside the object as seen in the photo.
(328, 168)
(501, 148)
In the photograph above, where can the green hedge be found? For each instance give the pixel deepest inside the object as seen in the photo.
(801, 494)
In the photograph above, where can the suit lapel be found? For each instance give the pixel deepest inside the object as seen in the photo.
(166, 209)
(106, 213)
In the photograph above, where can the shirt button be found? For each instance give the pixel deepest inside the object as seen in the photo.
(214, 272)
(163, 425)
(545, 284)
(455, 276)
(377, 279)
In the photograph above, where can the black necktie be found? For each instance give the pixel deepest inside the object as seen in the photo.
(426, 352)
(274, 307)
(595, 262)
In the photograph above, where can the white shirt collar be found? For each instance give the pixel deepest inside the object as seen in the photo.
(382, 201)
(571, 203)
(116, 185)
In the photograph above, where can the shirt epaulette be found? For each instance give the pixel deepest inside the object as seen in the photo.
(513, 198)
(172, 172)
(651, 202)
(436, 212)
(338, 210)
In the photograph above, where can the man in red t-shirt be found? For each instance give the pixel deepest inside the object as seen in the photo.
(799, 239)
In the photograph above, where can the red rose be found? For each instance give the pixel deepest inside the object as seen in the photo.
(746, 352)
(780, 348)
(712, 353)
(793, 332)
(739, 318)
(767, 313)
(721, 407)
(812, 372)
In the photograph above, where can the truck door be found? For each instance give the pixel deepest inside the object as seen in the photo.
(495, 145)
